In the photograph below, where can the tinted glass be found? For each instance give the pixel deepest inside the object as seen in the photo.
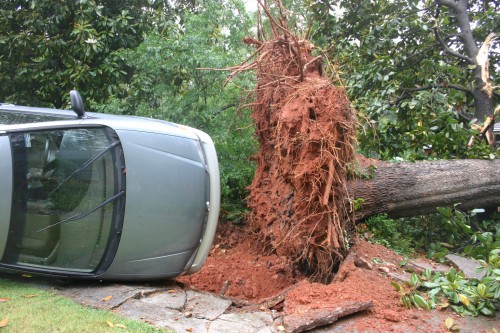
(64, 196)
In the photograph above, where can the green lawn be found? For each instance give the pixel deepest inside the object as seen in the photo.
(26, 309)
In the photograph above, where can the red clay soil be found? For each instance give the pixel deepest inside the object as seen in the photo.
(305, 131)
(237, 268)
(237, 263)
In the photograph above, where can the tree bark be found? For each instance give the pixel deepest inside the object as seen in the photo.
(409, 189)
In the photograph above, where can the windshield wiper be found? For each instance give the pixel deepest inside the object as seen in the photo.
(82, 215)
(86, 164)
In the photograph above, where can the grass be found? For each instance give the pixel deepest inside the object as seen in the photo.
(25, 309)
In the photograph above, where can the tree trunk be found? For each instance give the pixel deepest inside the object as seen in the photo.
(409, 189)
(477, 56)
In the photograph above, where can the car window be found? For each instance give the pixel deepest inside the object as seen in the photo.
(9, 117)
(65, 198)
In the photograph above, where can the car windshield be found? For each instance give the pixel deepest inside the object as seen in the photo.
(64, 198)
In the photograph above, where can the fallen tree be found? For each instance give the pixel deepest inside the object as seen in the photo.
(301, 198)
(410, 189)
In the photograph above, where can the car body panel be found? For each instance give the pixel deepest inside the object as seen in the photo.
(174, 209)
(172, 196)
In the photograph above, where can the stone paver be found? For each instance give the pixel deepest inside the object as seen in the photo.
(468, 266)
(243, 322)
(420, 264)
(192, 324)
(401, 277)
(106, 296)
(160, 315)
(206, 306)
(191, 311)
(173, 299)
(141, 309)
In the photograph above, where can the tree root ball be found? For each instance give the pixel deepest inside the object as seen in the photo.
(306, 130)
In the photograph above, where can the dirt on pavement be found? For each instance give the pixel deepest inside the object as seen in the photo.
(236, 268)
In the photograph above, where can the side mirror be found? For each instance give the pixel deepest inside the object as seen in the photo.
(77, 103)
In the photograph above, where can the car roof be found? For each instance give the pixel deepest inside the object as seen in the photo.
(117, 122)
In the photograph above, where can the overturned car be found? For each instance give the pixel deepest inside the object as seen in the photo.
(87, 195)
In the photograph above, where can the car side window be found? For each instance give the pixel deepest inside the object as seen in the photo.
(65, 198)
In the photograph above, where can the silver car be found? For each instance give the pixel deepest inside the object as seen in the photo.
(88, 195)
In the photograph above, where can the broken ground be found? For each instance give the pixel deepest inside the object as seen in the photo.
(237, 269)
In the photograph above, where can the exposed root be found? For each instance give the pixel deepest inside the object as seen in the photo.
(306, 129)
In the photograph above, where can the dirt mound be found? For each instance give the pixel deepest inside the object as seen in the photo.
(237, 269)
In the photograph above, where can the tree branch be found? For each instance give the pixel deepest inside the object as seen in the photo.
(459, 9)
(447, 49)
(448, 85)
(445, 85)
(410, 63)
(448, 3)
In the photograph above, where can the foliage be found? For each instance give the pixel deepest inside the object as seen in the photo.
(409, 94)
(167, 83)
(356, 171)
(471, 233)
(389, 232)
(48, 48)
(451, 230)
(465, 296)
(28, 310)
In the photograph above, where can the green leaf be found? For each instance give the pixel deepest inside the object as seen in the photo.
(451, 276)
(482, 290)
(427, 274)
(431, 285)
(396, 286)
(414, 280)
(433, 292)
(458, 309)
(420, 302)
(445, 211)
(453, 296)
(406, 301)
(486, 311)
